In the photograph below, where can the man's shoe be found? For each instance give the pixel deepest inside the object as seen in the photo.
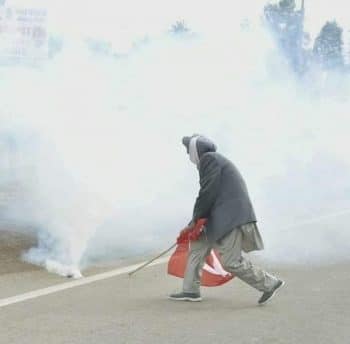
(194, 297)
(269, 294)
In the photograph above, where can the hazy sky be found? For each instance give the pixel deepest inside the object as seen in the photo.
(124, 21)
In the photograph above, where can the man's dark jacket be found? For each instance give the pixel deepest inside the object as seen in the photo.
(223, 197)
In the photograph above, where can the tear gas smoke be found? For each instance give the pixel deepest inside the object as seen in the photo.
(93, 140)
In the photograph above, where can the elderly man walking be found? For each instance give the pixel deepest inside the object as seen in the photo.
(231, 227)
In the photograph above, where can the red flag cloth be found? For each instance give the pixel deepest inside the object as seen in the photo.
(191, 233)
(213, 274)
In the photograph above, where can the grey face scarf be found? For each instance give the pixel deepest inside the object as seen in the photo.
(193, 151)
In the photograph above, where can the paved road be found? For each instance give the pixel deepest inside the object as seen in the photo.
(313, 307)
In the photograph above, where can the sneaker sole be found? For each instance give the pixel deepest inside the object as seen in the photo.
(191, 299)
(274, 293)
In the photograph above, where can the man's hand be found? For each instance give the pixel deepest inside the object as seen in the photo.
(191, 232)
(185, 231)
(197, 229)
(183, 236)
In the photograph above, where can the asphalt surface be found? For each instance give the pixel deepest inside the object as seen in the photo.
(313, 307)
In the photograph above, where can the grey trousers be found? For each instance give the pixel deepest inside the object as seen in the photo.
(230, 248)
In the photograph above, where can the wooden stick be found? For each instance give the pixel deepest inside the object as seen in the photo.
(153, 259)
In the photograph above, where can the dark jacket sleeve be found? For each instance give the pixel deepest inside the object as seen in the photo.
(210, 175)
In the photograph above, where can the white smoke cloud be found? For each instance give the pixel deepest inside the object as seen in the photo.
(98, 138)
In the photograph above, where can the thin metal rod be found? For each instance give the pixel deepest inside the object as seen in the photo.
(153, 259)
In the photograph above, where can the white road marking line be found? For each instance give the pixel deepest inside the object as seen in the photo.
(68, 285)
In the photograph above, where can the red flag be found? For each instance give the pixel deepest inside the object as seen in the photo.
(213, 274)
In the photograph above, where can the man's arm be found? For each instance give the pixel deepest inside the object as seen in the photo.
(210, 175)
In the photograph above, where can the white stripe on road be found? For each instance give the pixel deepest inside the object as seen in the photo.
(68, 285)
